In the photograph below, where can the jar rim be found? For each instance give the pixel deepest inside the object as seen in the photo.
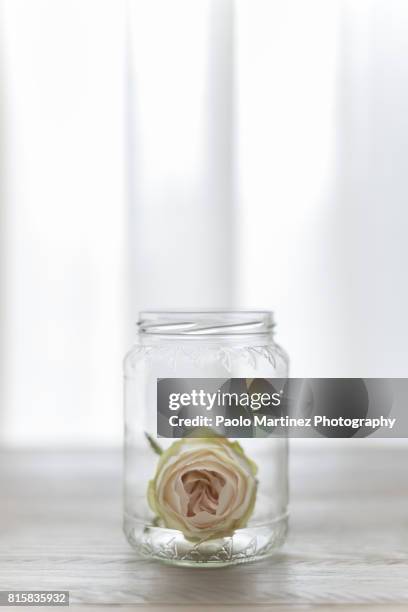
(208, 323)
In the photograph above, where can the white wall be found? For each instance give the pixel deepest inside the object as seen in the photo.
(63, 284)
(323, 216)
(265, 142)
(181, 152)
(288, 66)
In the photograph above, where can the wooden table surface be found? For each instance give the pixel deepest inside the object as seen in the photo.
(60, 528)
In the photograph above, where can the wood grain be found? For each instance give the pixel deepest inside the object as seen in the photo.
(60, 528)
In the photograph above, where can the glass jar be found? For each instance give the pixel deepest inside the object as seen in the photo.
(210, 500)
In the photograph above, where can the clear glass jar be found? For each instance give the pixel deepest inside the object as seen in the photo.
(202, 345)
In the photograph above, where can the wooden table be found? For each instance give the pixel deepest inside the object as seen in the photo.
(60, 528)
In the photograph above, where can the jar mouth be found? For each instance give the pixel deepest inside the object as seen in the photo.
(205, 323)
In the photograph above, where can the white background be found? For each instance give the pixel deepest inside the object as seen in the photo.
(212, 153)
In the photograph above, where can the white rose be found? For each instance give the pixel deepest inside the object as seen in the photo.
(204, 487)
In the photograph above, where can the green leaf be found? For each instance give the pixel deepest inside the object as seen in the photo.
(153, 444)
